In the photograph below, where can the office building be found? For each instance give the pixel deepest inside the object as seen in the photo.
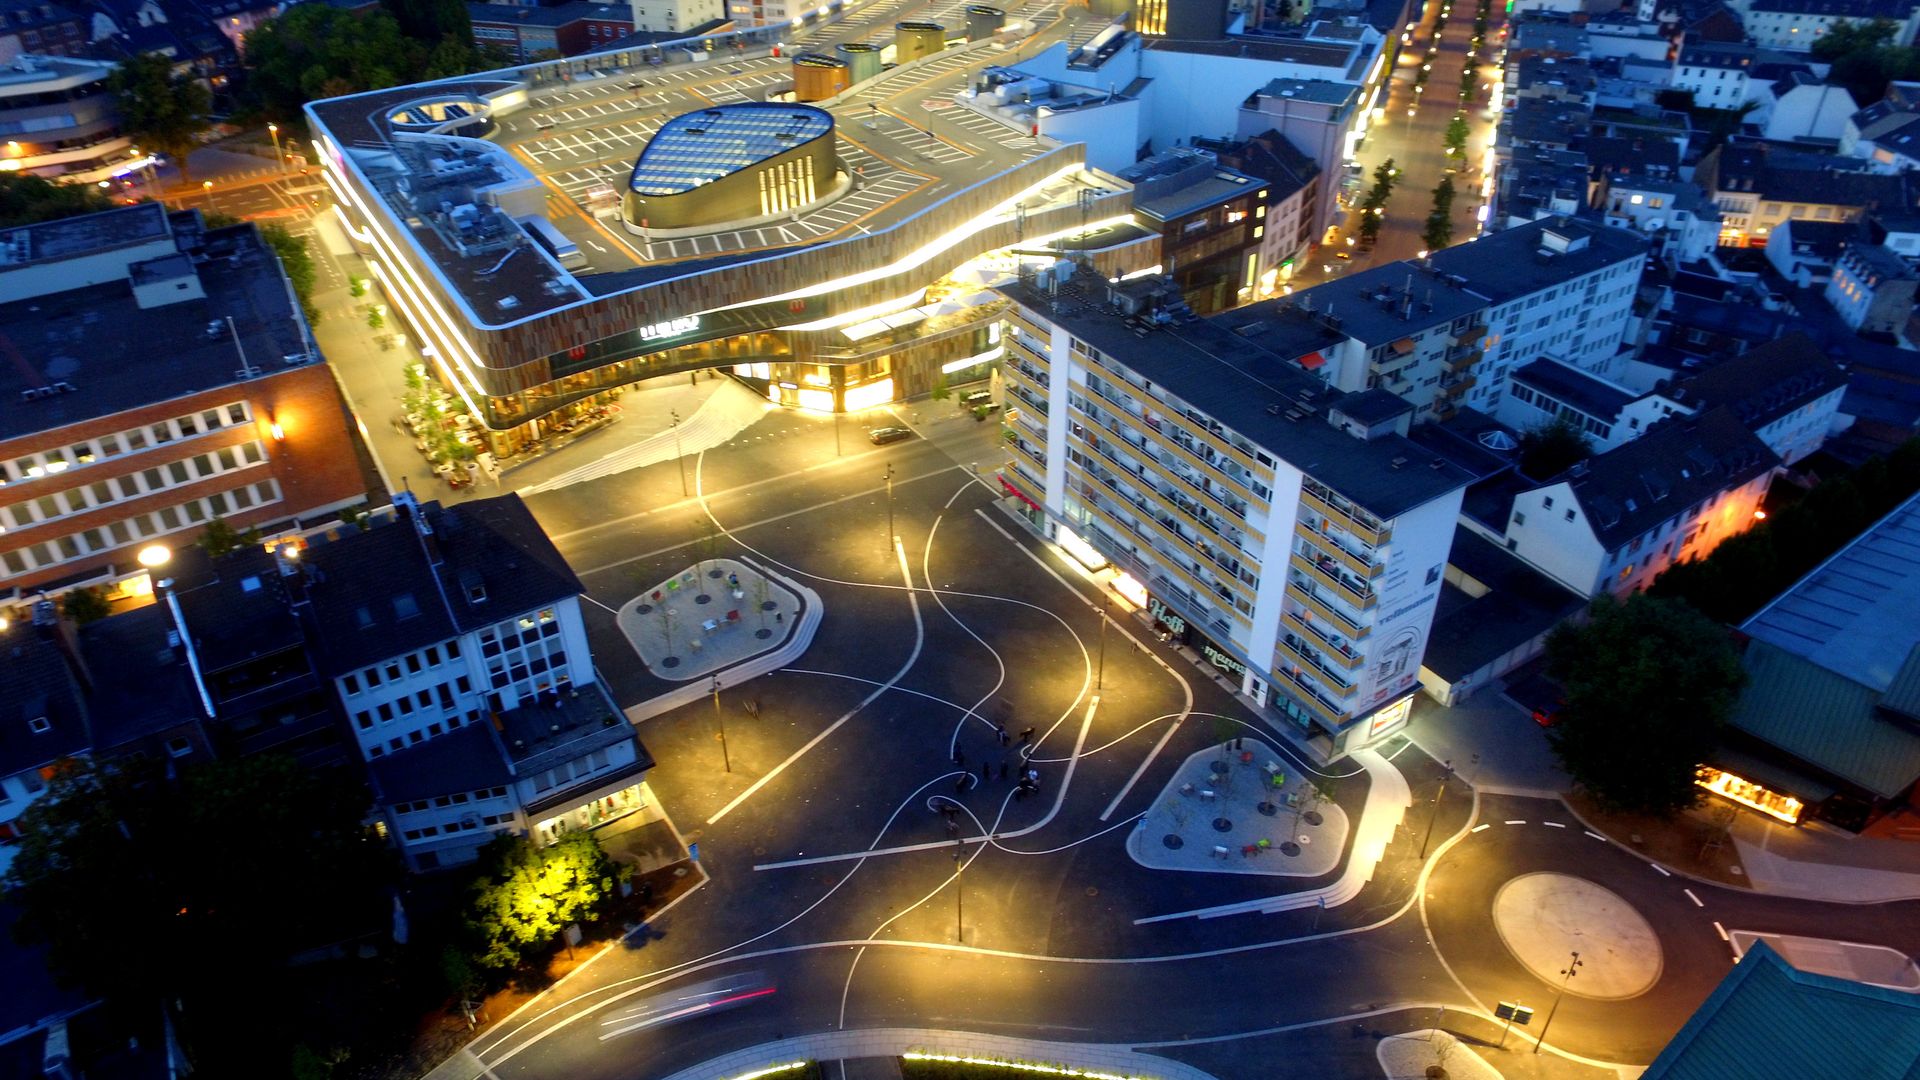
(57, 119)
(1289, 533)
(1211, 220)
(159, 375)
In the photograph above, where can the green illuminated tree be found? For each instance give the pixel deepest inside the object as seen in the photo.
(1439, 229)
(1648, 683)
(525, 897)
(25, 200)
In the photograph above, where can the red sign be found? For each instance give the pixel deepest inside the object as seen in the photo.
(796, 306)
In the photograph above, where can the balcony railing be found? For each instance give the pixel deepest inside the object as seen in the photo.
(1376, 535)
(1296, 646)
(1464, 360)
(1156, 536)
(1327, 710)
(1357, 561)
(1204, 492)
(1303, 590)
(1033, 401)
(1342, 653)
(1038, 458)
(1101, 449)
(1327, 572)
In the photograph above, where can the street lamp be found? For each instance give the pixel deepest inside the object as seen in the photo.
(279, 159)
(154, 556)
(675, 413)
(720, 718)
(1100, 671)
(959, 895)
(889, 505)
(1437, 796)
(1567, 973)
(206, 186)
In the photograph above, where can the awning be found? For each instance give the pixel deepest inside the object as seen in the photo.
(1402, 347)
(1016, 492)
(1774, 777)
(1313, 361)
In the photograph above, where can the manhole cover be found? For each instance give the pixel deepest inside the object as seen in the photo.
(715, 572)
(768, 605)
(1221, 824)
(644, 609)
(1093, 890)
(1172, 841)
(1312, 817)
(1268, 809)
(1289, 849)
(703, 598)
(763, 633)
(759, 851)
(671, 661)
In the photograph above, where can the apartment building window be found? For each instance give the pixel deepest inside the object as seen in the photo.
(1519, 518)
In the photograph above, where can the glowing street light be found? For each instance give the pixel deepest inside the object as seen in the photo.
(154, 556)
(279, 158)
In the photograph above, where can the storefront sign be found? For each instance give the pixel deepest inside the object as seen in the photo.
(1166, 616)
(1222, 660)
(1772, 803)
(684, 325)
(1389, 718)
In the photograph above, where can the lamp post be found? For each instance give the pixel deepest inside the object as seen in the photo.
(1100, 670)
(959, 895)
(675, 413)
(720, 718)
(279, 159)
(1567, 973)
(206, 186)
(889, 505)
(1437, 796)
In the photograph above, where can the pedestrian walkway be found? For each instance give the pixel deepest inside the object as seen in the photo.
(710, 412)
(955, 1045)
(1876, 965)
(1388, 798)
(1243, 809)
(707, 618)
(1406, 1057)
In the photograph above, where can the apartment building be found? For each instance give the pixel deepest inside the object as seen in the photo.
(1872, 289)
(1720, 76)
(1210, 219)
(1294, 218)
(43, 718)
(1786, 391)
(1612, 523)
(1443, 333)
(1796, 24)
(1288, 533)
(1606, 412)
(158, 375)
(1681, 223)
(453, 640)
(1757, 186)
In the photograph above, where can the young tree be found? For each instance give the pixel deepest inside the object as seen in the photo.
(85, 605)
(1439, 230)
(160, 110)
(525, 897)
(219, 538)
(1385, 176)
(1457, 132)
(1648, 683)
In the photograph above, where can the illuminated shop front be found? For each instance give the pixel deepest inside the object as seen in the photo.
(603, 807)
(1753, 796)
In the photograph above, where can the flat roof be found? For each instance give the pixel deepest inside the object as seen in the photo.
(700, 147)
(1241, 368)
(1509, 263)
(1386, 303)
(1853, 614)
(68, 237)
(1568, 385)
(1470, 632)
(100, 341)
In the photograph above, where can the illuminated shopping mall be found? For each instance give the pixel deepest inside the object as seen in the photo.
(543, 260)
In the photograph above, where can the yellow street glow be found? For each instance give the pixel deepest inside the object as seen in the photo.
(1024, 1066)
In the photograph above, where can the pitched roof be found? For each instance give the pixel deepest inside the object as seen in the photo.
(1764, 383)
(396, 587)
(1767, 1019)
(36, 683)
(1679, 462)
(1825, 719)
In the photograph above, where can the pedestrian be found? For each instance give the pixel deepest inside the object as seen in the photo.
(959, 757)
(1026, 736)
(1003, 768)
(960, 782)
(984, 771)
(1000, 732)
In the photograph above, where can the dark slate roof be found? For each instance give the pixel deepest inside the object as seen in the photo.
(1764, 383)
(376, 595)
(1374, 406)
(1821, 239)
(1798, 176)
(1239, 368)
(36, 681)
(467, 759)
(1510, 263)
(554, 16)
(1569, 385)
(1896, 10)
(1677, 463)
(1270, 156)
(1717, 55)
(1520, 603)
(237, 607)
(141, 684)
(1768, 1019)
(559, 727)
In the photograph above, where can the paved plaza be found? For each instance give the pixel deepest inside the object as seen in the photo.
(707, 618)
(1241, 809)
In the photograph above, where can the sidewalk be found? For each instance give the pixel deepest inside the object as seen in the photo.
(896, 1042)
(1814, 863)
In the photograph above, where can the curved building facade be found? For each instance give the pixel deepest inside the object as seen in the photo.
(817, 77)
(914, 40)
(732, 163)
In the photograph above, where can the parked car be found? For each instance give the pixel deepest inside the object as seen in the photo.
(881, 436)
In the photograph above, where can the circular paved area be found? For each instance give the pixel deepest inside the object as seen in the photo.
(1543, 918)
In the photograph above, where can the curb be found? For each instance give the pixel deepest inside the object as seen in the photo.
(896, 1042)
(753, 667)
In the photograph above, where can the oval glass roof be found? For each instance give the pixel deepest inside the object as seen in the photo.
(700, 147)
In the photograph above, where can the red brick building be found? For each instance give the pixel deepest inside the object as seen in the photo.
(154, 375)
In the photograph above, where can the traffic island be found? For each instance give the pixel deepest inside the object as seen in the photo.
(709, 617)
(1242, 808)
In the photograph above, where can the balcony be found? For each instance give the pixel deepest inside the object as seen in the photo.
(1027, 353)
(1368, 534)
(1156, 481)
(1471, 333)
(1297, 648)
(1355, 629)
(1148, 432)
(1455, 387)
(1344, 655)
(1445, 409)
(1220, 446)
(1357, 562)
(1027, 397)
(1037, 459)
(1310, 694)
(1463, 361)
(1164, 540)
(1327, 573)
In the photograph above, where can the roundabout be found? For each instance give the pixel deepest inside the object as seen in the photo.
(1543, 918)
